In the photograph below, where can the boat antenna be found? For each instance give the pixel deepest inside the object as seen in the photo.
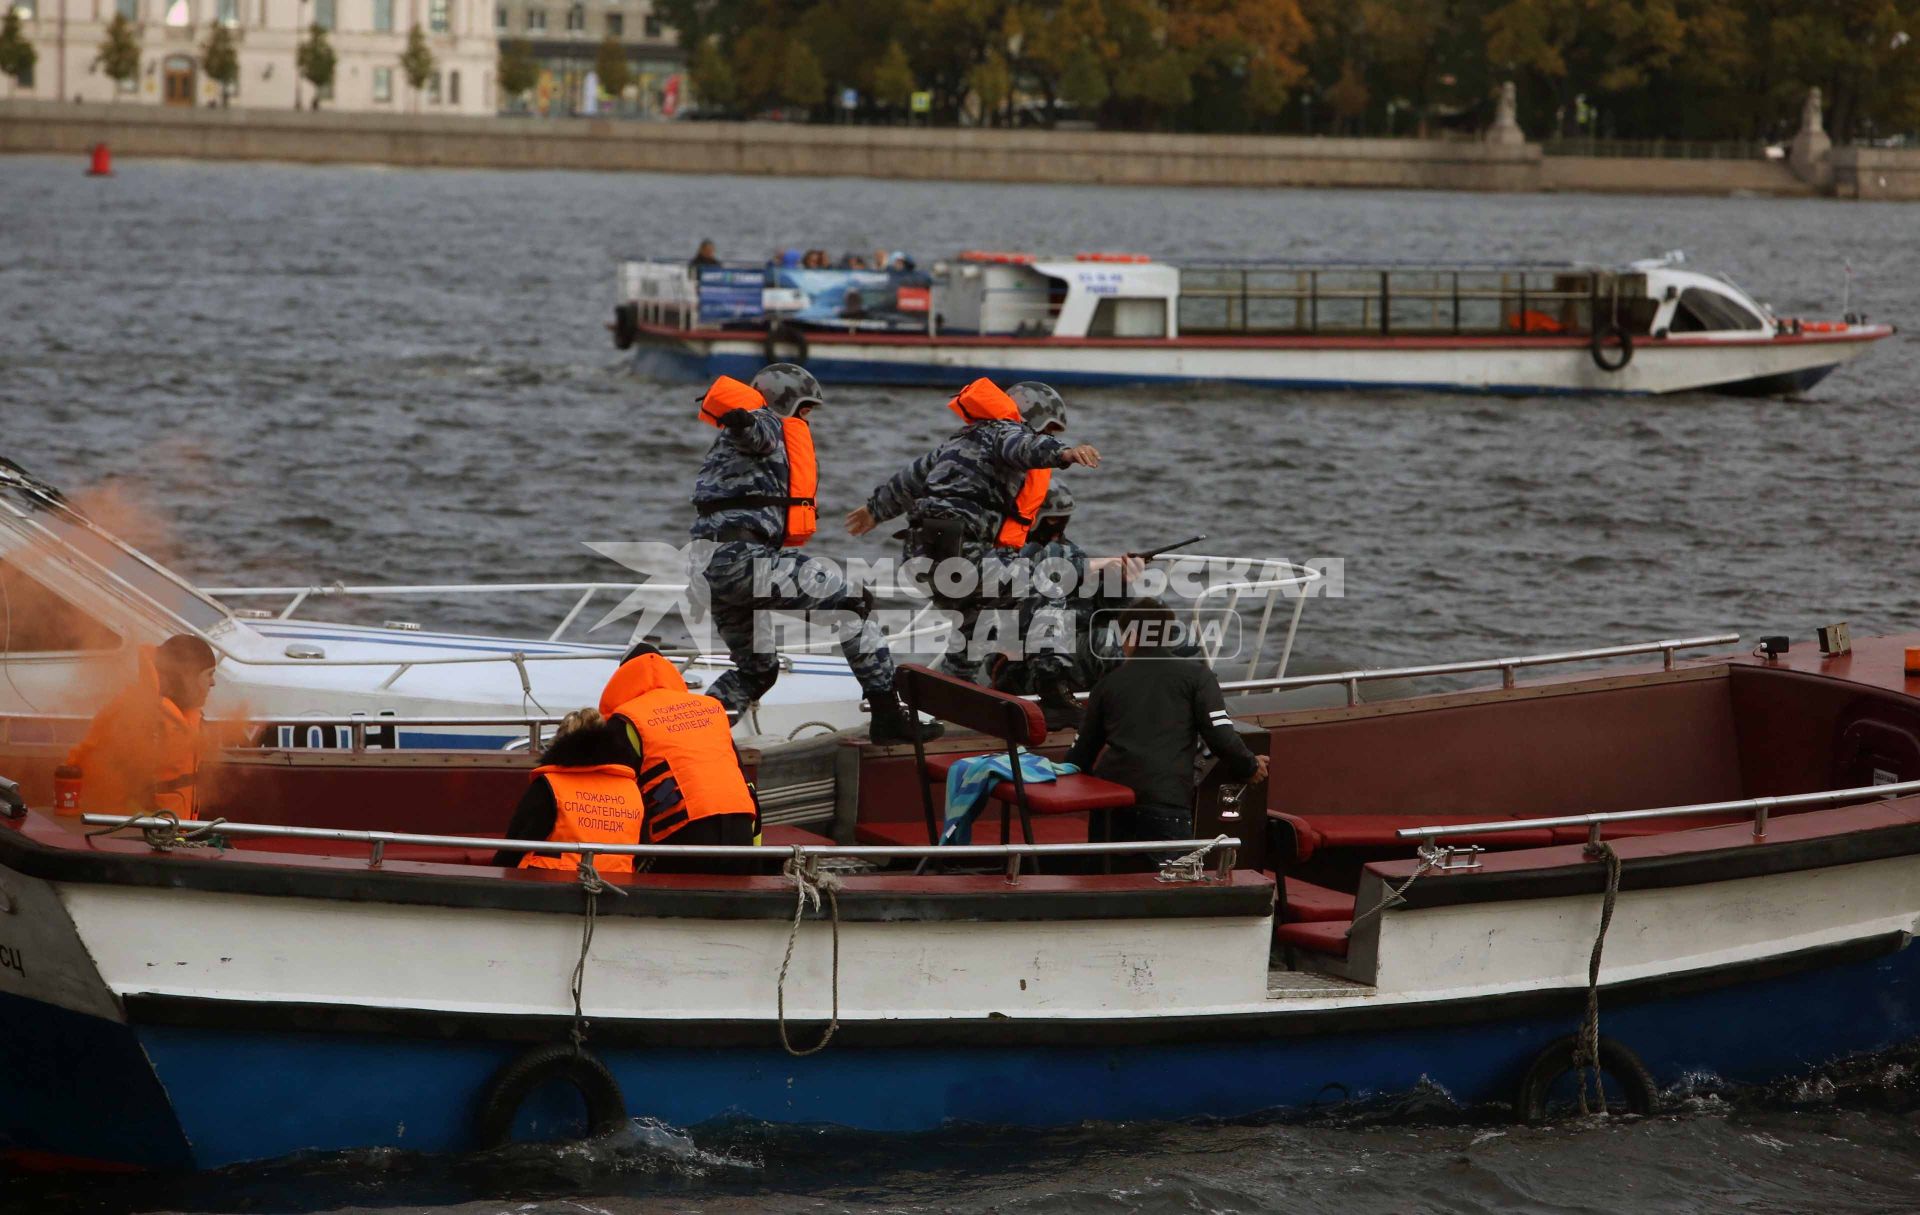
(1846, 288)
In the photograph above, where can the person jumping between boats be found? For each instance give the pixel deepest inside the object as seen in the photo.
(1058, 656)
(655, 764)
(145, 749)
(962, 501)
(755, 497)
(1143, 725)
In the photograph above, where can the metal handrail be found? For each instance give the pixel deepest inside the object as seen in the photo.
(1507, 667)
(1759, 807)
(1222, 846)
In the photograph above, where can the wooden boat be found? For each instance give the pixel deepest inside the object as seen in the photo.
(350, 970)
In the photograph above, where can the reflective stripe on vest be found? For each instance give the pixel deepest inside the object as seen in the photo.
(691, 771)
(1033, 492)
(592, 805)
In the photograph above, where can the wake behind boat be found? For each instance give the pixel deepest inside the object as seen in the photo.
(1649, 327)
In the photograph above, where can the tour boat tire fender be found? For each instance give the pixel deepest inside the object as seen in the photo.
(1612, 348)
(782, 334)
(1619, 1063)
(626, 325)
(500, 1100)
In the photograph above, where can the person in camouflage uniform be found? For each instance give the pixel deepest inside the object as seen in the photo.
(956, 498)
(746, 509)
(1061, 654)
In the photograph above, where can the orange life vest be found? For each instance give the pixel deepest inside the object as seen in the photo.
(1033, 492)
(803, 470)
(982, 401)
(691, 771)
(594, 805)
(141, 753)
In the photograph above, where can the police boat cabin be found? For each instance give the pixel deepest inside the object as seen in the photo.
(334, 953)
(1655, 326)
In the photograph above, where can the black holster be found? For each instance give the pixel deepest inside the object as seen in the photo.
(942, 537)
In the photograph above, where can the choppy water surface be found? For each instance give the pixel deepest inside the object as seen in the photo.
(288, 374)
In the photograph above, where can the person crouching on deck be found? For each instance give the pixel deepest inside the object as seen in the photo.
(145, 749)
(660, 768)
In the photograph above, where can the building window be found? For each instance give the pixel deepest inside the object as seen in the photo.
(500, 17)
(383, 84)
(536, 18)
(383, 16)
(453, 88)
(25, 80)
(616, 24)
(25, 8)
(179, 16)
(653, 26)
(326, 92)
(228, 13)
(577, 17)
(437, 16)
(433, 89)
(323, 15)
(130, 9)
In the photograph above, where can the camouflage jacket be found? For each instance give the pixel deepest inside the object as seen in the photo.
(975, 473)
(749, 461)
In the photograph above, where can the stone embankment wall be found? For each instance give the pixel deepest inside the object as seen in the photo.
(896, 152)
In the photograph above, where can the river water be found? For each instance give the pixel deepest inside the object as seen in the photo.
(272, 373)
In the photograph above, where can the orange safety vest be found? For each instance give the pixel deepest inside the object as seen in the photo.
(1033, 492)
(592, 805)
(141, 753)
(803, 469)
(691, 769)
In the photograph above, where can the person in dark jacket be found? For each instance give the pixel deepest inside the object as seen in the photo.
(584, 740)
(1143, 725)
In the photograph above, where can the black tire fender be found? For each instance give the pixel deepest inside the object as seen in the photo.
(626, 325)
(500, 1100)
(780, 333)
(1611, 338)
(1616, 1059)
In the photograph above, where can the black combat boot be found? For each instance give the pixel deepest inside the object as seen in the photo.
(1058, 706)
(891, 725)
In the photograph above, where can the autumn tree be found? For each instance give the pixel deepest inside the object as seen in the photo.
(992, 84)
(417, 62)
(220, 60)
(519, 71)
(17, 55)
(892, 84)
(316, 61)
(119, 54)
(610, 65)
(712, 77)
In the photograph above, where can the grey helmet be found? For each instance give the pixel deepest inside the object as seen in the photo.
(1040, 406)
(1058, 503)
(787, 386)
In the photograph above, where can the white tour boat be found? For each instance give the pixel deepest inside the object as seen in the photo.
(1650, 327)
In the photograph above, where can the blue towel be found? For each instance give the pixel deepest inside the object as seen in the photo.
(969, 780)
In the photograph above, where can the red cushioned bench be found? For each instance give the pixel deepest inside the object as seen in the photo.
(1013, 722)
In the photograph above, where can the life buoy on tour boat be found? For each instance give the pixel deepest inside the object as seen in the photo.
(1631, 1088)
(500, 1100)
(778, 333)
(1612, 348)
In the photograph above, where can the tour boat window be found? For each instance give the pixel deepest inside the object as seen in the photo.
(34, 620)
(1702, 311)
(1129, 318)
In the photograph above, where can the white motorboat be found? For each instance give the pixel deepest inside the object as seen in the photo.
(1649, 327)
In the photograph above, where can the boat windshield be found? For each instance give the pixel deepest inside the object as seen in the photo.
(1704, 311)
(146, 578)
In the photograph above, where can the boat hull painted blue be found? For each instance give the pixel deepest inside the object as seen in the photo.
(248, 1094)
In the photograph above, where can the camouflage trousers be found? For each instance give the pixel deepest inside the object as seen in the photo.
(987, 566)
(747, 582)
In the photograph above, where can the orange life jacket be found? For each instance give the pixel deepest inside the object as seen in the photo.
(803, 470)
(141, 753)
(593, 805)
(1033, 492)
(691, 771)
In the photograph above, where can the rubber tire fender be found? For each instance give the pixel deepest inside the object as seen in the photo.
(626, 325)
(780, 333)
(1556, 1060)
(1602, 339)
(501, 1099)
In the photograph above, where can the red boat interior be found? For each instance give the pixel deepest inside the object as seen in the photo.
(1344, 780)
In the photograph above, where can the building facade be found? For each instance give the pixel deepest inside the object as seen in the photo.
(565, 37)
(368, 38)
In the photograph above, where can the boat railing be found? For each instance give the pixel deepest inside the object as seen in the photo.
(1222, 849)
(1268, 581)
(1509, 668)
(1758, 808)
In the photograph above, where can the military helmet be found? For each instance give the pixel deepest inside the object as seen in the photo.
(1058, 503)
(787, 386)
(1040, 406)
